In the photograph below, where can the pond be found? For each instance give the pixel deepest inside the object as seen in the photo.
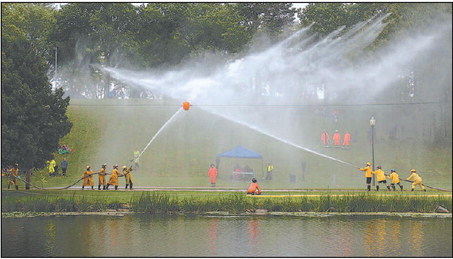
(230, 236)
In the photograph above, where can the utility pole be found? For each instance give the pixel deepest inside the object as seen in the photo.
(372, 123)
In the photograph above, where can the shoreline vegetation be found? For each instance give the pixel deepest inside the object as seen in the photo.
(18, 204)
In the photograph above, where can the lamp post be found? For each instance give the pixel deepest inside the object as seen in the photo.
(372, 123)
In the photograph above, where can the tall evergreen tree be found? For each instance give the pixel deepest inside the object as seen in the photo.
(33, 117)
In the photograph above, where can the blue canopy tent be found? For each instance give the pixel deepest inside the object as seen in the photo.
(240, 152)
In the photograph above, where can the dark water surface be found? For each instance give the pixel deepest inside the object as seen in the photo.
(201, 236)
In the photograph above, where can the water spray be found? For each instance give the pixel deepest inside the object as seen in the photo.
(280, 139)
(162, 128)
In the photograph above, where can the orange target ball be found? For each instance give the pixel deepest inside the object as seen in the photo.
(186, 105)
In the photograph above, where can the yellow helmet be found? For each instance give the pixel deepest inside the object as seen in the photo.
(124, 167)
(368, 163)
(88, 167)
(413, 170)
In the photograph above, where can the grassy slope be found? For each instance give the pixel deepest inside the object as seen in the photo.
(181, 154)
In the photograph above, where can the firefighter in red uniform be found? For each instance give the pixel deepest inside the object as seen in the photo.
(325, 138)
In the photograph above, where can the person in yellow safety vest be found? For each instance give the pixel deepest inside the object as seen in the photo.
(380, 178)
(417, 180)
(102, 173)
(51, 167)
(114, 178)
(13, 173)
(128, 175)
(395, 179)
(269, 169)
(136, 158)
(368, 174)
(88, 178)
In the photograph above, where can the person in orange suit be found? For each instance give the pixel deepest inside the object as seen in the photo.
(336, 139)
(254, 188)
(325, 138)
(346, 140)
(212, 173)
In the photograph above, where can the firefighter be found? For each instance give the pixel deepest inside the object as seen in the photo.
(13, 173)
(346, 140)
(395, 179)
(101, 176)
(417, 180)
(114, 178)
(88, 178)
(128, 176)
(368, 174)
(380, 178)
(336, 138)
(254, 188)
(212, 173)
(325, 138)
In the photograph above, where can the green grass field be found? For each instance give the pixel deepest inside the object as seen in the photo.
(108, 131)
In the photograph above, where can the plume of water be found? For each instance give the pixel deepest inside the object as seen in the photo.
(296, 71)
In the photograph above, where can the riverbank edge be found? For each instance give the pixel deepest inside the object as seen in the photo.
(122, 213)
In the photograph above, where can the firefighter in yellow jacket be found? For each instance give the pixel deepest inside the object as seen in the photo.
(101, 176)
(114, 178)
(88, 178)
(395, 179)
(380, 178)
(128, 175)
(13, 173)
(368, 174)
(417, 180)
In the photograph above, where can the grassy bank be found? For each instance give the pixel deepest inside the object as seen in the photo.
(108, 131)
(163, 202)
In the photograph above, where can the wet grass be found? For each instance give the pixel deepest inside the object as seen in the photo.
(109, 130)
(166, 202)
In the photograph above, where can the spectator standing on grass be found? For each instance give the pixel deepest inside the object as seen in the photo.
(212, 173)
(64, 166)
(51, 168)
(269, 169)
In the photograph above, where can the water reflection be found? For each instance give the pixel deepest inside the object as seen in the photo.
(178, 236)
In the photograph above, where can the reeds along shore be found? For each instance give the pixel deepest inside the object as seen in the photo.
(163, 203)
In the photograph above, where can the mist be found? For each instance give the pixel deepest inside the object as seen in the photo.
(267, 92)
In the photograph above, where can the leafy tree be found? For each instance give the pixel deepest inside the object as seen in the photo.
(36, 20)
(268, 17)
(33, 117)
